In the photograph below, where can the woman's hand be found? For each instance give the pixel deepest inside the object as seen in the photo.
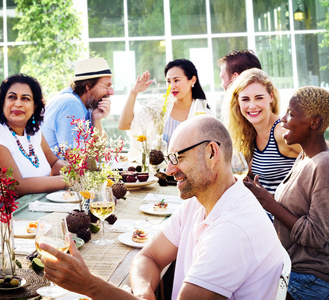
(263, 196)
(142, 82)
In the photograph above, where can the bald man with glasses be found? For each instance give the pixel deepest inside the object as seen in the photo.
(224, 245)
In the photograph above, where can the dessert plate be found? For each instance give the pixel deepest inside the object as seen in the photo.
(59, 197)
(138, 185)
(148, 208)
(20, 230)
(125, 238)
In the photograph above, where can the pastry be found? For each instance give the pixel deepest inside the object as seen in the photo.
(160, 206)
(32, 227)
(69, 195)
(140, 236)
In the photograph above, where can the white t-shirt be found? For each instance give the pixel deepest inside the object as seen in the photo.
(234, 252)
(26, 168)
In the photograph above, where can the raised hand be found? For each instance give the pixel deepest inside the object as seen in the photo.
(142, 82)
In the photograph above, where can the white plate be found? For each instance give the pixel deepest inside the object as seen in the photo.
(125, 238)
(20, 230)
(22, 282)
(138, 185)
(58, 197)
(148, 208)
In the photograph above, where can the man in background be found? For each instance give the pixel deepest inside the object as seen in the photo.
(87, 97)
(234, 63)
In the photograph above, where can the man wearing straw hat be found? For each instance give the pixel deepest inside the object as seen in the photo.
(88, 97)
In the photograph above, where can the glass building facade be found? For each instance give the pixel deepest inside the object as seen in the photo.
(135, 36)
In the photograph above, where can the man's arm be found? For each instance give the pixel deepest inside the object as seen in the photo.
(71, 273)
(145, 270)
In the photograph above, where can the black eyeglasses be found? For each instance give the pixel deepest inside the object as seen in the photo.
(173, 157)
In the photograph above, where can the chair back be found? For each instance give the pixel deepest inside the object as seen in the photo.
(284, 277)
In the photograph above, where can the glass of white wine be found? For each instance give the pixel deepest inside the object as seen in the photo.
(239, 165)
(52, 231)
(102, 204)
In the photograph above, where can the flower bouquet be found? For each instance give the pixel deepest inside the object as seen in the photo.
(7, 207)
(88, 169)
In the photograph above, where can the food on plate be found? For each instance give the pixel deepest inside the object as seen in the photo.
(69, 195)
(140, 236)
(9, 281)
(123, 158)
(131, 178)
(31, 227)
(124, 175)
(131, 168)
(143, 177)
(156, 157)
(139, 168)
(160, 206)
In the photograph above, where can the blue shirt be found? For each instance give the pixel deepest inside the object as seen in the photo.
(56, 127)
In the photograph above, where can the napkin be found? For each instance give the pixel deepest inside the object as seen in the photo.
(154, 198)
(23, 246)
(50, 207)
(125, 225)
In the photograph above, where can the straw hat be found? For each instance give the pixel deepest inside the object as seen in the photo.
(91, 68)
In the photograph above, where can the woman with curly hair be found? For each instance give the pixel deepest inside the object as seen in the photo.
(252, 122)
(22, 145)
(301, 205)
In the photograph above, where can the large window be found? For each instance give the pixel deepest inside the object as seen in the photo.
(135, 36)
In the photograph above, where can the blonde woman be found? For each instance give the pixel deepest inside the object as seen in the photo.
(254, 125)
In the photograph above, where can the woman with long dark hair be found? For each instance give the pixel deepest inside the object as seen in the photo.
(182, 75)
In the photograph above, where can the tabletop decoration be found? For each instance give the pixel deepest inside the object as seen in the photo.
(145, 152)
(89, 167)
(7, 207)
(158, 116)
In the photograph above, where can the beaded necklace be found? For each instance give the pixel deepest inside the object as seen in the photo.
(32, 157)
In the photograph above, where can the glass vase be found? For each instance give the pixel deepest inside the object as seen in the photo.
(160, 144)
(145, 161)
(7, 247)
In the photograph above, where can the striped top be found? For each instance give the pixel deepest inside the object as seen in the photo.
(170, 126)
(271, 166)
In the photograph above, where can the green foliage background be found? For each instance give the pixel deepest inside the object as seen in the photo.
(325, 24)
(52, 31)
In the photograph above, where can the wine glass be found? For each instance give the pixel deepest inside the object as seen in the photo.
(239, 165)
(102, 204)
(52, 231)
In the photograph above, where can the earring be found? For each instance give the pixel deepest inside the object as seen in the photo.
(33, 121)
(192, 86)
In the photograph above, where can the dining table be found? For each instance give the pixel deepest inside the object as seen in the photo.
(111, 262)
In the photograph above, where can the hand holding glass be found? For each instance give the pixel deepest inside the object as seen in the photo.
(239, 165)
(52, 231)
(102, 204)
